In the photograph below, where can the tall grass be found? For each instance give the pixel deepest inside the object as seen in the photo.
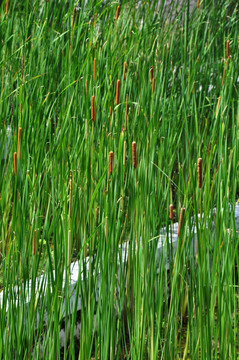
(76, 191)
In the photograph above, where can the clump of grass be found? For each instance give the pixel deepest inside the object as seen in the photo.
(178, 100)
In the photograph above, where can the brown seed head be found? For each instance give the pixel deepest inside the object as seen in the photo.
(200, 173)
(117, 12)
(117, 91)
(125, 70)
(198, 3)
(93, 108)
(111, 156)
(182, 212)
(134, 155)
(151, 74)
(227, 49)
(171, 212)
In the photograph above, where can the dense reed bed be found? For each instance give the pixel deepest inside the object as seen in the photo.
(112, 114)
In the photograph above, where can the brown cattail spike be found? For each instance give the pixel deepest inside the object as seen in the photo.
(34, 243)
(94, 69)
(227, 49)
(125, 70)
(151, 74)
(200, 173)
(134, 155)
(117, 92)
(117, 12)
(18, 140)
(7, 6)
(182, 212)
(93, 108)
(111, 156)
(198, 3)
(15, 163)
(171, 212)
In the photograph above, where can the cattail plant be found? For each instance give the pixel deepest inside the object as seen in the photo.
(126, 113)
(124, 153)
(198, 3)
(70, 202)
(199, 173)
(218, 105)
(93, 108)
(111, 156)
(15, 162)
(94, 68)
(7, 6)
(117, 91)
(34, 245)
(227, 49)
(182, 213)
(18, 140)
(134, 155)
(69, 248)
(171, 212)
(117, 12)
(153, 85)
(151, 74)
(125, 70)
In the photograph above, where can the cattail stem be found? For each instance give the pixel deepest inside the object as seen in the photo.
(117, 91)
(69, 248)
(153, 85)
(171, 212)
(94, 69)
(117, 12)
(125, 70)
(126, 113)
(18, 140)
(34, 243)
(151, 74)
(227, 49)
(93, 108)
(200, 173)
(182, 213)
(15, 163)
(124, 154)
(218, 104)
(70, 202)
(111, 156)
(134, 155)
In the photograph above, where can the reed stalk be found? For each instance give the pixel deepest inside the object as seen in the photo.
(125, 70)
(93, 108)
(15, 162)
(117, 92)
(126, 113)
(94, 69)
(18, 140)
